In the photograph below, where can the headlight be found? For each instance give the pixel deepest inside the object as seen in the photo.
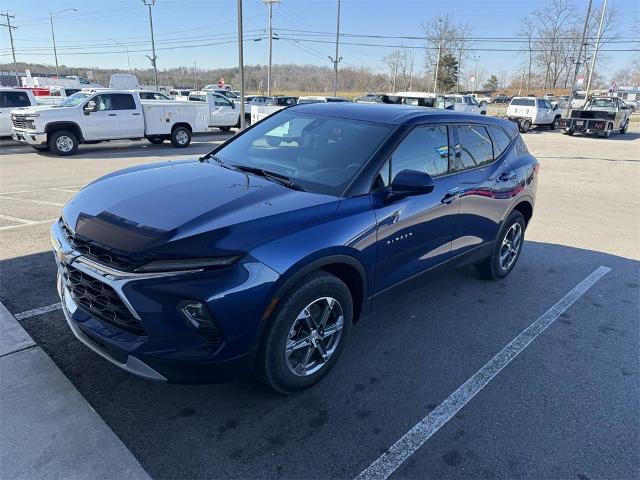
(187, 264)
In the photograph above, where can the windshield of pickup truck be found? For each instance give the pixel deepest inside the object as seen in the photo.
(73, 100)
(319, 154)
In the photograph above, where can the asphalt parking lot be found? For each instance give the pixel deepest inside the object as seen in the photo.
(566, 407)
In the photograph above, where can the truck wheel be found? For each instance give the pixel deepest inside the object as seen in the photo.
(625, 127)
(524, 125)
(63, 142)
(180, 137)
(568, 131)
(306, 334)
(225, 129)
(553, 125)
(156, 140)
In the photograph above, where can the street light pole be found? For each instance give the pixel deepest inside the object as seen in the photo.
(127, 50)
(475, 78)
(337, 58)
(150, 3)
(435, 77)
(53, 35)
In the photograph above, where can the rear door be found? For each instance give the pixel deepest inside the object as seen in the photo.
(103, 123)
(414, 233)
(129, 116)
(487, 184)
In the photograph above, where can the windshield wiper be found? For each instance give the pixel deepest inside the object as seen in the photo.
(218, 160)
(272, 176)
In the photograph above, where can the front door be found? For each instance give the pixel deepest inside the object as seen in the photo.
(224, 113)
(414, 233)
(103, 123)
(130, 117)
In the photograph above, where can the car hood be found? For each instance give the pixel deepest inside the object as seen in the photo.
(34, 109)
(189, 209)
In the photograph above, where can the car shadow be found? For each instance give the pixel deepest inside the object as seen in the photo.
(424, 339)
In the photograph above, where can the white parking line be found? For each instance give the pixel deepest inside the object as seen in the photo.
(16, 219)
(38, 311)
(64, 190)
(400, 451)
(30, 224)
(40, 202)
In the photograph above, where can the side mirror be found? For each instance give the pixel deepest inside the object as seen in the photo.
(411, 182)
(91, 106)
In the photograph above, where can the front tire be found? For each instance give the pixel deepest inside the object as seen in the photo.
(506, 249)
(306, 334)
(63, 143)
(553, 125)
(180, 137)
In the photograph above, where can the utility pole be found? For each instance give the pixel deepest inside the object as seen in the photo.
(435, 77)
(475, 78)
(595, 51)
(577, 70)
(269, 4)
(241, 64)
(150, 3)
(127, 50)
(195, 74)
(13, 50)
(337, 58)
(53, 35)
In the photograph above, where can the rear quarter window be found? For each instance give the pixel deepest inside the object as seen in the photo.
(501, 140)
(523, 102)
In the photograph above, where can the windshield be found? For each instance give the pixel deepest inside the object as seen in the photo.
(601, 104)
(321, 154)
(75, 99)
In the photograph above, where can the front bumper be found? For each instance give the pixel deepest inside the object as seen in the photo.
(29, 136)
(167, 347)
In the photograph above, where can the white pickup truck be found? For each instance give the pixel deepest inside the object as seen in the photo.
(102, 115)
(11, 98)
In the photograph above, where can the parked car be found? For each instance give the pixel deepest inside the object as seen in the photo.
(278, 240)
(501, 99)
(467, 104)
(256, 100)
(10, 99)
(152, 95)
(321, 99)
(600, 116)
(99, 115)
(281, 101)
(369, 98)
(529, 111)
(180, 94)
(418, 99)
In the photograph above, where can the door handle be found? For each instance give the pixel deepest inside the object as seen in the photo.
(112, 115)
(506, 176)
(451, 195)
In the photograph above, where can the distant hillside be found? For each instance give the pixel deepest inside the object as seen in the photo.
(289, 77)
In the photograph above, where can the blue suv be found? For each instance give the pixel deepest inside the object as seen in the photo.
(263, 253)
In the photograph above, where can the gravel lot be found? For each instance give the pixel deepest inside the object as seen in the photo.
(566, 407)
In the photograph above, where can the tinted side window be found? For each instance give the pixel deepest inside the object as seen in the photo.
(221, 101)
(123, 101)
(146, 96)
(425, 149)
(501, 140)
(15, 99)
(474, 148)
(104, 102)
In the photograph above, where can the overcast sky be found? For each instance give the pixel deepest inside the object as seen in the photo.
(182, 27)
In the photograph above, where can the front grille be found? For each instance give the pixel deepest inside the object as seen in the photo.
(21, 121)
(100, 253)
(100, 300)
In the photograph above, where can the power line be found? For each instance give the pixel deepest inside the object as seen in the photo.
(13, 51)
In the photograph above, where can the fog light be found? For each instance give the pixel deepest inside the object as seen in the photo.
(195, 312)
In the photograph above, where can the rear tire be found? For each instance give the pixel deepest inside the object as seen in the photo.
(180, 137)
(156, 140)
(506, 249)
(553, 125)
(524, 125)
(624, 129)
(297, 349)
(63, 142)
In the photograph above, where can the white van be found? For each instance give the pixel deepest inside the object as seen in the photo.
(123, 81)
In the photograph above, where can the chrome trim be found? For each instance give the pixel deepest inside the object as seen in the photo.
(134, 365)
(116, 279)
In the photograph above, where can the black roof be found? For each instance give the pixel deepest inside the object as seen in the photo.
(396, 114)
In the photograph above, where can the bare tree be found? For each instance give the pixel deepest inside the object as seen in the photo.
(394, 62)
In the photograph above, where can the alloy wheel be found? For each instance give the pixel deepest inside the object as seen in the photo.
(314, 336)
(182, 137)
(510, 247)
(64, 144)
